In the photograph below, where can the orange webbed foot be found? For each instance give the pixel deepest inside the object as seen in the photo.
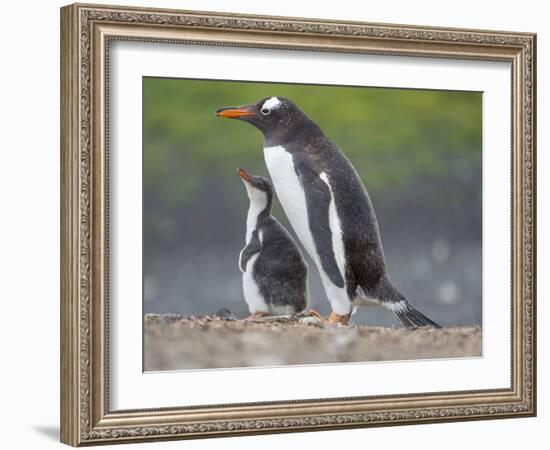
(339, 318)
(257, 315)
(313, 313)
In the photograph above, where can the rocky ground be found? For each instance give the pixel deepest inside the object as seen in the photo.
(174, 342)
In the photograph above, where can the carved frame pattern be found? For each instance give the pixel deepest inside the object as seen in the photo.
(86, 32)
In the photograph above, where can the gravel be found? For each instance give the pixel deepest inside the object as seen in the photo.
(175, 342)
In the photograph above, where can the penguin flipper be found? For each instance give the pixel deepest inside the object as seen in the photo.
(318, 199)
(254, 246)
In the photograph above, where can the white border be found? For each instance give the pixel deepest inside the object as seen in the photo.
(132, 389)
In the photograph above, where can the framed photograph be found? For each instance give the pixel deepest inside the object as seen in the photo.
(278, 224)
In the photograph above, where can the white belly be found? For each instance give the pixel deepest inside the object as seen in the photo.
(290, 194)
(251, 291)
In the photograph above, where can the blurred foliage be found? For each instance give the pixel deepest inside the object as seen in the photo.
(390, 135)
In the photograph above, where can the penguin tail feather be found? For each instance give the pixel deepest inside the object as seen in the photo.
(411, 317)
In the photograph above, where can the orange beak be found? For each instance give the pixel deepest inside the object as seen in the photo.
(244, 174)
(233, 113)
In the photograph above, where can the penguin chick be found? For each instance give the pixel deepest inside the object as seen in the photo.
(274, 270)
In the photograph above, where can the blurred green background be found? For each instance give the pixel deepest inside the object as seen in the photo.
(419, 154)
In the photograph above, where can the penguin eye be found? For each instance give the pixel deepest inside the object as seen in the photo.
(265, 111)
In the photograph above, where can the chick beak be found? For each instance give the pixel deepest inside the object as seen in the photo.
(244, 175)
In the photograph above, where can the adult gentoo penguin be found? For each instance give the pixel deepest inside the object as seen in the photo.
(274, 270)
(329, 208)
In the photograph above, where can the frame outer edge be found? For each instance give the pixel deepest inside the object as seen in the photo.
(533, 230)
(535, 160)
(81, 412)
(69, 311)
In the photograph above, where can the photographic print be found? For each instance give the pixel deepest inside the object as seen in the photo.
(291, 224)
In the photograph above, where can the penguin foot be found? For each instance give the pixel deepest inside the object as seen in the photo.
(338, 318)
(313, 313)
(257, 315)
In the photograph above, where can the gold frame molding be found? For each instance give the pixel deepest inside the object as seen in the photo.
(86, 31)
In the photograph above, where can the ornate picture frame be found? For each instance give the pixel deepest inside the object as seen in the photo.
(86, 34)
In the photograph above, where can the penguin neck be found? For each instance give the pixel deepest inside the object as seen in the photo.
(258, 210)
(300, 127)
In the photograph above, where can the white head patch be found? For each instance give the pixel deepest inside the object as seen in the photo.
(271, 103)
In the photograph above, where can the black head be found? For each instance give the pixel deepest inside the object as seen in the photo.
(259, 189)
(275, 117)
(256, 181)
